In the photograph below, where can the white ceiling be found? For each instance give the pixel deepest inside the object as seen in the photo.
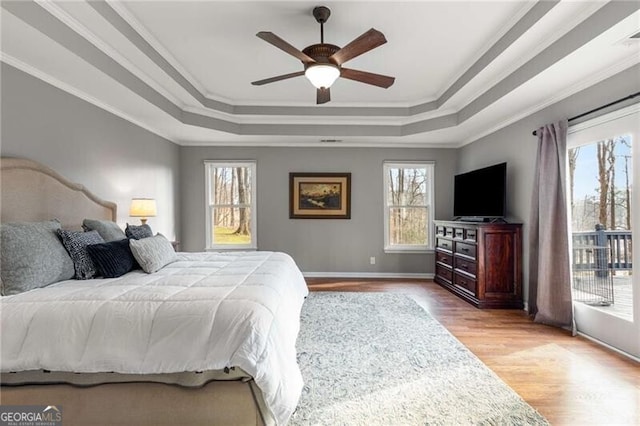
(182, 69)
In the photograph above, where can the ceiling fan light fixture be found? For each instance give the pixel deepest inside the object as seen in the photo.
(323, 62)
(322, 75)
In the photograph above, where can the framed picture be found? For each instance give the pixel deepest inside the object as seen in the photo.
(320, 195)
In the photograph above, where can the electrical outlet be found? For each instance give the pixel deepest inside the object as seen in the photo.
(372, 260)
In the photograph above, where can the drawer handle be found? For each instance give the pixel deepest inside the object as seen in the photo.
(465, 267)
(466, 250)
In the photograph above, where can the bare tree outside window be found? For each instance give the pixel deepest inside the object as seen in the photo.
(230, 204)
(408, 204)
(600, 188)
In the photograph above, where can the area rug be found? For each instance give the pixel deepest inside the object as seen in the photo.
(380, 359)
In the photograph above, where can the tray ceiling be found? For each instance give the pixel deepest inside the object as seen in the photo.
(182, 69)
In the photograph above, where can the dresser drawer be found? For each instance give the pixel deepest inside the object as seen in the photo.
(444, 273)
(466, 249)
(465, 282)
(441, 243)
(479, 262)
(467, 266)
(471, 234)
(444, 258)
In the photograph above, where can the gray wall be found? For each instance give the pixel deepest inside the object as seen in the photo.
(516, 145)
(113, 158)
(318, 245)
(118, 160)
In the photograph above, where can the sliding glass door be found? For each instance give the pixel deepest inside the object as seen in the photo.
(604, 202)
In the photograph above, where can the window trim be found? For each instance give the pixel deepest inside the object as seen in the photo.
(209, 165)
(430, 169)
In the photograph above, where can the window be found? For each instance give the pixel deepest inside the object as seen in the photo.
(602, 181)
(408, 210)
(231, 212)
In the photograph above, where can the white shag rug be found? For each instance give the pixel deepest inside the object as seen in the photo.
(380, 359)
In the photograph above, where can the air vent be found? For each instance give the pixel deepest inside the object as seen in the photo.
(330, 140)
(631, 40)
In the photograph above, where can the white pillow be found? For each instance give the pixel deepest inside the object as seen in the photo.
(153, 253)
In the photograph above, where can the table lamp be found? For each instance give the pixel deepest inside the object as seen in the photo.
(143, 208)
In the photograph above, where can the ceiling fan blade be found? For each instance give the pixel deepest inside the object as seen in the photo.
(367, 41)
(367, 77)
(277, 78)
(273, 39)
(323, 96)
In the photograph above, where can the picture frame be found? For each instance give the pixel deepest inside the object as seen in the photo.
(320, 195)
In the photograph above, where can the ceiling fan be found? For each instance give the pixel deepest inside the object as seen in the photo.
(323, 62)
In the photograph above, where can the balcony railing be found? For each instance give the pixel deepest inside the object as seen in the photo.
(597, 257)
(602, 250)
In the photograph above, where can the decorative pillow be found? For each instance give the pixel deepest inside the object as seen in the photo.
(76, 244)
(113, 258)
(108, 230)
(32, 256)
(153, 253)
(138, 232)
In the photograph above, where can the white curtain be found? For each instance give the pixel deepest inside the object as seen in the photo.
(549, 263)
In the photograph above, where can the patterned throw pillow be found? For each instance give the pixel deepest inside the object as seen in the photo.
(108, 230)
(32, 256)
(153, 253)
(138, 232)
(113, 259)
(76, 244)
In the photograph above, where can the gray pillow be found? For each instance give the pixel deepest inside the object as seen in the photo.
(108, 230)
(138, 232)
(32, 256)
(153, 253)
(76, 244)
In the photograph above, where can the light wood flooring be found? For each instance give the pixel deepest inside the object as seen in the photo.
(569, 380)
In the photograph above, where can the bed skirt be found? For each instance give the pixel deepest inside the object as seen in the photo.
(215, 403)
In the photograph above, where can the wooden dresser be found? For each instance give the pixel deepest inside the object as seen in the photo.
(481, 262)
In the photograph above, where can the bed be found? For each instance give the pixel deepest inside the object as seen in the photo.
(207, 339)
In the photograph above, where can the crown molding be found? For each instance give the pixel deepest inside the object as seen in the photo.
(272, 121)
(16, 63)
(569, 91)
(547, 41)
(356, 120)
(56, 11)
(419, 105)
(318, 144)
(158, 47)
(485, 50)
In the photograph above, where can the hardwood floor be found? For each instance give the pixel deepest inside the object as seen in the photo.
(569, 380)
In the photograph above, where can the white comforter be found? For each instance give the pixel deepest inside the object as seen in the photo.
(205, 312)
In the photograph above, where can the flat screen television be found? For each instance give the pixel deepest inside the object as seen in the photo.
(481, 194)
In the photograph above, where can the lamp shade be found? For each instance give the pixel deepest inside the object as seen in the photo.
(322, 75)
(143, 208)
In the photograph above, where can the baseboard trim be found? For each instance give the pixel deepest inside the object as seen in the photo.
(608, 346)
(368, 275)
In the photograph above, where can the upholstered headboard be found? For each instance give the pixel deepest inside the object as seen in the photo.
(30, 191)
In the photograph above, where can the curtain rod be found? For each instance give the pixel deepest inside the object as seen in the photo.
(626, 98)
